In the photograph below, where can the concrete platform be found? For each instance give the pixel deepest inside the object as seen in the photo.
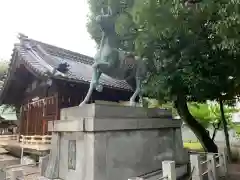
(105, 142)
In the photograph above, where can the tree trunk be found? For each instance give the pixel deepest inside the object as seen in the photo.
(201, 133)
(225, 128)
(216, 128)
(214, 133)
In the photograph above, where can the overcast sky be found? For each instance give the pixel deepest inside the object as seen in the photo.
(58, 22)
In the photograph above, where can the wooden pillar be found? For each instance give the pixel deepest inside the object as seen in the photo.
(223, 162)
(28, 118)
(169, 170)
(57, 106)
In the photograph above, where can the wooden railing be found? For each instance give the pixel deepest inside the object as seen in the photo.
(213, 167)
(8, 137)
(36, 139)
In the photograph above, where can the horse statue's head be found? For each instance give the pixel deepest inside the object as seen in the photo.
(106, 21)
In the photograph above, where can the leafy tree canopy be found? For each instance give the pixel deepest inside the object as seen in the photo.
(189, 48)
(192, 49)
(184, 51)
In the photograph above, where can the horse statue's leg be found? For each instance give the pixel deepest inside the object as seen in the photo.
(136, 92)
(140, 73)
(93, 84)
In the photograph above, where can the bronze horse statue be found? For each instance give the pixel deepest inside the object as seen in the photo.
(115, 62)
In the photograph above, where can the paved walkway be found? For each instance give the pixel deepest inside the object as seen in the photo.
(29, 172)
(234, 172)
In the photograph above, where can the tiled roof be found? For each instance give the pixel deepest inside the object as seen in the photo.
(42, 58)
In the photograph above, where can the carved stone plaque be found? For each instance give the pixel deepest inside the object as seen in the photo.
(72, 154)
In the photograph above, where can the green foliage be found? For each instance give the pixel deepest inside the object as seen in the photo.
(153, 103)
(3, 69)
(228, 25)
(192, 50)
(237, 129)
(182, 49)
(8, 112)
(196, 146)
(210, 115)
(189, 49)
(207, 114)
(124, 26)
(202, 113)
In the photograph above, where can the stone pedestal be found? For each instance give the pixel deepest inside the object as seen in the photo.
(106, 142)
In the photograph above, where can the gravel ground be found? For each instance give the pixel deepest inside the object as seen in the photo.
(234, 172)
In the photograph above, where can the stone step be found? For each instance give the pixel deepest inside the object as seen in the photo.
(44, 178)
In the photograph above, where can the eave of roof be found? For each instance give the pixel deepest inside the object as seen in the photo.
(44, 72)
(36, 52)
(9, 76)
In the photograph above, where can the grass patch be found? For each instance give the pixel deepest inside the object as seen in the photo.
(237, 129)
(193, 146)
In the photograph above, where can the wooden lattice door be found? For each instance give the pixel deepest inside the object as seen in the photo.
(35, 115)
(51, 112)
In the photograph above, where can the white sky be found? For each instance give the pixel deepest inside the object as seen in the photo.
(57, 22)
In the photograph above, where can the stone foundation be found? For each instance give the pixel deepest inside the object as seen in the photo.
(106, 142)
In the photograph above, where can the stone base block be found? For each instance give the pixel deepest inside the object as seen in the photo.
(105, 142)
